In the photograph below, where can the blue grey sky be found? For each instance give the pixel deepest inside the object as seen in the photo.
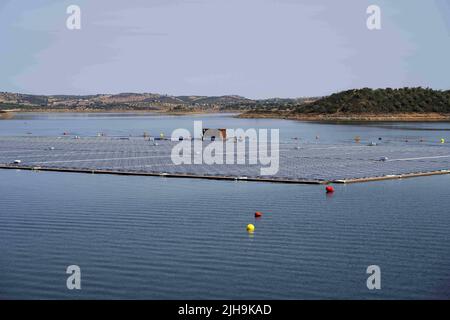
(253, 48)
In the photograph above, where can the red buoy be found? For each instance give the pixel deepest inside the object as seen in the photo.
(258, 214)
(329, 189)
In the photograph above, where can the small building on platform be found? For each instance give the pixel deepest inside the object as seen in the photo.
(213, 134)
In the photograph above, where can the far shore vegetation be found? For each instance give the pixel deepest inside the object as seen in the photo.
(404, 104)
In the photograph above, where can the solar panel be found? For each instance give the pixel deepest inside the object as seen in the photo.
(298, 161)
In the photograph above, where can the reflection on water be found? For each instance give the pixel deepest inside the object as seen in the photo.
(6, 115)
(425, 126)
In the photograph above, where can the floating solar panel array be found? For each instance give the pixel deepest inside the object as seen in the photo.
(297, 161)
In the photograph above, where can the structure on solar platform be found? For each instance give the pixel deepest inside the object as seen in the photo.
(213, 134)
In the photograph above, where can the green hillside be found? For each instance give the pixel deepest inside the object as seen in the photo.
(379, 101)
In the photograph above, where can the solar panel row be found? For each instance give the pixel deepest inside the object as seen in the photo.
(297, 161)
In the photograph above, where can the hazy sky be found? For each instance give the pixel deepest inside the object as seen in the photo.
(254, 48)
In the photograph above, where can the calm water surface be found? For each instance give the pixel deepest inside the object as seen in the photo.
(160, 238)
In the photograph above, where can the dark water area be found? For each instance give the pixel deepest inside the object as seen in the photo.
(163, 238)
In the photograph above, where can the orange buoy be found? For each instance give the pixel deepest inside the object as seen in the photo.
(258, 214)
(329, 189)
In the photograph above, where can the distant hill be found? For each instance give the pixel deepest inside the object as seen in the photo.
(408, 104)
(121, 101)
(362, 104)
(380, 101)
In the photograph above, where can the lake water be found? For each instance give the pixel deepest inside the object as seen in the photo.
(162, 238)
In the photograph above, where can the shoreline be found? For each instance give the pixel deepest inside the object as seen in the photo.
(365, 117)
(400, 117)
(10, 114)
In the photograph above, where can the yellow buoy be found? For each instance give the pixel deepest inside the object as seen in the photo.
(250, 227)
(442, 140)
